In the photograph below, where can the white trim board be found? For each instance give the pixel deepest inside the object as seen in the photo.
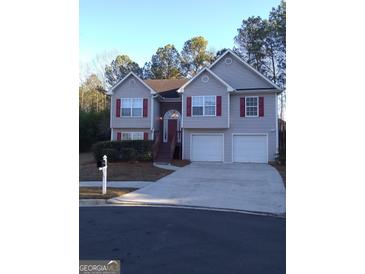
(183, 144)
(228, 109)
(152, 112)
(260, 91)
(182, 110)
(112, 112)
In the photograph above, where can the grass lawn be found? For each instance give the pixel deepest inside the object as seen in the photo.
(95, 192)
(281, 169)
(121, 171)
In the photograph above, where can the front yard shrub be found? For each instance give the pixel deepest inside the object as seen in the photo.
(129, 154)
(93, 127)
(133, 150)
(147, 156)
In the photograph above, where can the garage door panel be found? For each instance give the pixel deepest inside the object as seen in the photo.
(207, 147)
(250, 148)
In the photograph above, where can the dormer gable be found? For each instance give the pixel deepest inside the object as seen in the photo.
(208, 72)
(239, 74)
(131, 81)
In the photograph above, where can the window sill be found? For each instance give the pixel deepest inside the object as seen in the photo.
(129, 117)
(202, 116)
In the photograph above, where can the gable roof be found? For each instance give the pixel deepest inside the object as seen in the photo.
(122, 80)
(170, 87)
(229, 88)
(247, 65)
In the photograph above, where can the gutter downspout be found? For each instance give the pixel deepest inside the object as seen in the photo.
(276, 123)
(111, 117)
(182, 125)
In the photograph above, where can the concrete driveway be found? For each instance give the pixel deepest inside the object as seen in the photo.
(246, 187)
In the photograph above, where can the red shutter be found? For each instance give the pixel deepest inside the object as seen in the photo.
(219, 105)
(188, 106)
(242, 107)
(145, 135)
(119, 136)
(145, 107)
(117, 108)
(261, 106)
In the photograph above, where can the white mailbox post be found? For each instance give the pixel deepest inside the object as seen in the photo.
(104, 170)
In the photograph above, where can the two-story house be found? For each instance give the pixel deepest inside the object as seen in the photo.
(227, 113)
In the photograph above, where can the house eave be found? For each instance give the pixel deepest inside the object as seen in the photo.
(258, 90)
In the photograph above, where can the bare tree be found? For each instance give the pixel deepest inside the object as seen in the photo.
(99, 63)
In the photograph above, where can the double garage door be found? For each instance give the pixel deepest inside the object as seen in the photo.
(245, 148)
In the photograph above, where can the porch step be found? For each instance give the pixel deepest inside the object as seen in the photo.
(163, 159)
(163, 155)
(162, 163)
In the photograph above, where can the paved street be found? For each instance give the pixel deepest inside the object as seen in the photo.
(156, 240)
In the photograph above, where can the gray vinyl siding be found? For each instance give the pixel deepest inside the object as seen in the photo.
(115, 130)
(198, 88)
(126, 90)
(266, 124)
(238, 75)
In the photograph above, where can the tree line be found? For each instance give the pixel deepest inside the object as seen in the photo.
(166, 63)
(260, 42)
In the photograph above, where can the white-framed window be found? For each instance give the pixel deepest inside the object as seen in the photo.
(204, 105)
(132, 136)
(132, 107)
(252, 106)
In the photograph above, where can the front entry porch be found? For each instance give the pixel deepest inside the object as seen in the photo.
(167, 144)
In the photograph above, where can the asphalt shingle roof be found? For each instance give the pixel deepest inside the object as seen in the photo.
(166, 87)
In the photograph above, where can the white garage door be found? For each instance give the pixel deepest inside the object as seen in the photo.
(206, 147)
(250, 148)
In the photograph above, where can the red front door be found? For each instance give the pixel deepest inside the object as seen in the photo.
(172, 127)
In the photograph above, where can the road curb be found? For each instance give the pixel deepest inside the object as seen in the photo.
(116, 184)
(259, 213)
